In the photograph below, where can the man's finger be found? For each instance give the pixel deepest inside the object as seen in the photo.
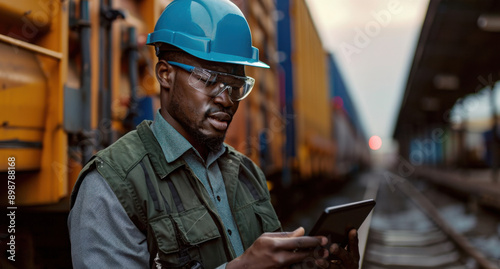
(336, 266)
(353, 244)
(323, 263)
(298, 232)
(345, 258)
(308, 257)
(300, 243)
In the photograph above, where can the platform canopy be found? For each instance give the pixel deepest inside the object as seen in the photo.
(458, 53)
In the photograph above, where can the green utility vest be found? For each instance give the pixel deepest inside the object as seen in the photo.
(170, 205)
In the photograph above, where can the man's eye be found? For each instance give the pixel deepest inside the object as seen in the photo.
(210, 82)
(233, 83)
(203, 79)
(208, 79)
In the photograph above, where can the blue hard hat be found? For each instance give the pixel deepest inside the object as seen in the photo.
(213, 30)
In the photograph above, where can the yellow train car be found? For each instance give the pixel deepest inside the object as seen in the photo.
(72, 75)
(314, 114)
(33, 71)
(310, 148)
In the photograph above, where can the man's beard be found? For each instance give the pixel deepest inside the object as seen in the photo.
(213, 143)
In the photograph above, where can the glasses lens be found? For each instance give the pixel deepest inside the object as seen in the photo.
(214, 83)
(200, 79)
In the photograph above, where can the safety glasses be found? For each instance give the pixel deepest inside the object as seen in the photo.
(213, 83)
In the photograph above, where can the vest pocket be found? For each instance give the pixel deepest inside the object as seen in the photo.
(186, 237)
(255, 219)
(165, 235)
(266, 216)
(196, 225)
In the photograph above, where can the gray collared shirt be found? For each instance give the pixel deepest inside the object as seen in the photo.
(175, 146)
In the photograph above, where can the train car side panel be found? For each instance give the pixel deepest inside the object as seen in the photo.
(311, 95)
(34, 135)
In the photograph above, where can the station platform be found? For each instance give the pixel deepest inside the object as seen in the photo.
(480, 185)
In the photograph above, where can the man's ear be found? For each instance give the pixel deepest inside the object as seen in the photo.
(165, 74)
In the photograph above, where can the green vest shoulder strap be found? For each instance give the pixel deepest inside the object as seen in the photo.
(114, 163)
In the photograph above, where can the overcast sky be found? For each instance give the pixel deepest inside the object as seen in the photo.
(374, 43)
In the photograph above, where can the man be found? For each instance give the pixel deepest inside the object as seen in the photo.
(171, 194)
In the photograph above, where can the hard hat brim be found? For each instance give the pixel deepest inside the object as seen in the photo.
(224, 58)
(200, 48)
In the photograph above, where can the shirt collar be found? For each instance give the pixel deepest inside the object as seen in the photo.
(174, 145)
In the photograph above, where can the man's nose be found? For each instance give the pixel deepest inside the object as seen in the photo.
(224, 97)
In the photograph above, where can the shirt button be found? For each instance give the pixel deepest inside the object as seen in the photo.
(218, 198)
(229, 231)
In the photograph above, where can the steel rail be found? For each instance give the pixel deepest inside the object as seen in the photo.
(363, 232)
(426, 206)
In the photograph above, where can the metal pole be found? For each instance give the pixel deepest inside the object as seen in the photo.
(133, 56)
(108, 15)
(461, 140)
(88, 145)
(495, 136)
(109, 94)
(103, 71)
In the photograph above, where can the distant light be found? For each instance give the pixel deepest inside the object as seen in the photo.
(338, 102)
(449, 82)
(489, 22)
(375, 142)
(270, 185)
(430, 103)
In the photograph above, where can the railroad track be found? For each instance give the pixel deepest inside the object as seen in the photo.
(407, 231)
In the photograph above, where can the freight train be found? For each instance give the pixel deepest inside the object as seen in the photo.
(75, 75)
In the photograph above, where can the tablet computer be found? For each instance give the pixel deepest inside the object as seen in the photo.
(335, 222)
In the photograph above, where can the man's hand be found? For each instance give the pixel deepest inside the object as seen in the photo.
(293, 249)
(277, 250)
(345, 258)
